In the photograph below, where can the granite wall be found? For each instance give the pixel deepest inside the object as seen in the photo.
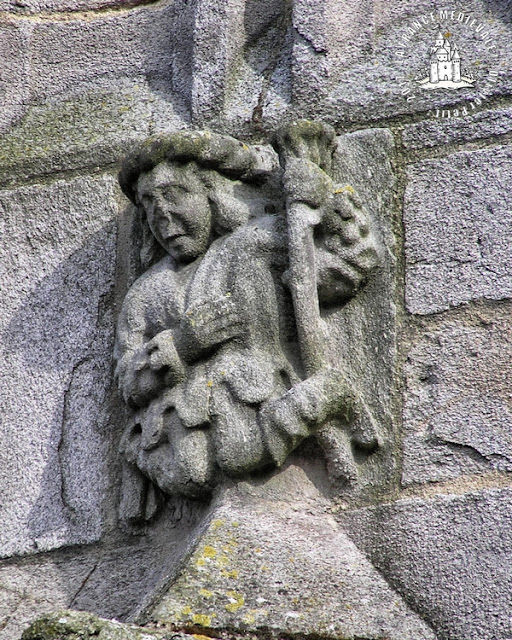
(80, 82)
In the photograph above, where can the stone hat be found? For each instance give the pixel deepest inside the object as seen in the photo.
(251, 163)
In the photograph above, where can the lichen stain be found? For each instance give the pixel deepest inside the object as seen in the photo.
(236, 601)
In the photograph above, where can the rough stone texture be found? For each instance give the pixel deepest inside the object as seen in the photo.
(112, 580)
(66, 54)
(443, 131)
(458, 410)
(24, 7)
(93, 129)
(87, 86)
(372, 85)
(364, 331)
(58, 267)
(273, 561)
(13, 73)
(449, 558)
(72, 625)
(208, 338)
(28, 591)
(334, 60)
(79, 84)
(458, 230)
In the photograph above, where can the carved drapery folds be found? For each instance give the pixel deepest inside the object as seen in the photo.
(220, 349)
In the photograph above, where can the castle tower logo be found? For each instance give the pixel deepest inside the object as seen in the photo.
(450, 61)
(445, 66)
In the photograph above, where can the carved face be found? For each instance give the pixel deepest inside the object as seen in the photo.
(177, 209)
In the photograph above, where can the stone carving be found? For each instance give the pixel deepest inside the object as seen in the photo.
(220, 350)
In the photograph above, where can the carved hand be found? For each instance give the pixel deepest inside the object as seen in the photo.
(210, 324)
(305, 182)
(161, 353)
(152, 366)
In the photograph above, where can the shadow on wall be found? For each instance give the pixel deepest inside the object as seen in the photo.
(59, 342)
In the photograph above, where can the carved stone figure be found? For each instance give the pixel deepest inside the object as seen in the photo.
(219, 348)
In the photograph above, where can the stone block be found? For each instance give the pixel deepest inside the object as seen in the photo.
(458, 409)
(29, 591)
(458, 230)
(66, 54)
(444, 131)
(271, 560)
(363, 332)
(56, 322)
(95, 129)
(448, 557)
(14, 88)
(112, 580)
(379, 81)
(329, 36)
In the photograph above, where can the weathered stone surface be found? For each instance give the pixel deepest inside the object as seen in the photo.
(243, 76)
(72, 625)
(65, 54)
(29, 591)
(375, 83)
(441, 131)
(58, 269)
(14, 88)
(458, 410)
(364, 331)
(273, 561)
(458, 230)
(329, 37)
(91, 130)
(449, 558)
(113, 580)
(22, 7)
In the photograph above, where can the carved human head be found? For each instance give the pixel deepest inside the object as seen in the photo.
(188, 185)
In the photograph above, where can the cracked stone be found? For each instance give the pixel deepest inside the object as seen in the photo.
(458, 409)
(58, 264)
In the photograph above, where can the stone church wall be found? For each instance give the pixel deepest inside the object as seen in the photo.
(81, 82)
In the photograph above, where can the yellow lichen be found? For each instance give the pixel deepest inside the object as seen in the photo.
(202, 619)
(209, 552)
(222, 561)
(249, 618)
(229, 574)
(348, 188)
(206, 593)
(217, 523)
(236, 600)
(186, 611)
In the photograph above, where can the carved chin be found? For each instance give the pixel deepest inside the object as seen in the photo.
(183, 249)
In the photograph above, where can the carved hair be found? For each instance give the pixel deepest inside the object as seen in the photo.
(230, 157)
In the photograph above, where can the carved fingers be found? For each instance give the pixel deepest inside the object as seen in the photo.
(308, 140)
(304, 181)
(210, 324)
(150, 368)
(161, 352)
